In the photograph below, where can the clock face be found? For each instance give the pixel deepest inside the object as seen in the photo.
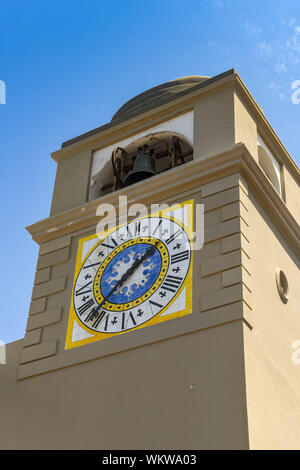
(131, 277)
(128, 278)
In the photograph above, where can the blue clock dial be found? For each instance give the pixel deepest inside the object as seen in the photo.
(140, 280)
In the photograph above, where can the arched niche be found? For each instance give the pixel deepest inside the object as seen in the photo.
(269, 165)
(180, 127)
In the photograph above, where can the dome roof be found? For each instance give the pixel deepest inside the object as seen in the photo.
(152, 98)
(157, 96)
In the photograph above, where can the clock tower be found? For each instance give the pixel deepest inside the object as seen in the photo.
(165, 306)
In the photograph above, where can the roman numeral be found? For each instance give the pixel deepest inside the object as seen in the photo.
(137, 228)
(110, 246)
(91, 265)
(106, 322)
(132, 318)
(99, 318)
(123, 320)
(172, 237)
(84, 307)
(80, 291)
(180, 257)
(155, 303)
(158, 225)
(171, 283)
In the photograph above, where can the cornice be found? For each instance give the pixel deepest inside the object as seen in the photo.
(178, 180)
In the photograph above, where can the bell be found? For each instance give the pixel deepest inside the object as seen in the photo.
(143, 167)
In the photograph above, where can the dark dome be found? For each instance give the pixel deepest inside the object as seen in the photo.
(157, 96)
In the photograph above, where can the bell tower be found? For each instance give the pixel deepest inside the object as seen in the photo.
(177, 328)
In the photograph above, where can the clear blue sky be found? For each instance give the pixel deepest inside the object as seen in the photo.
(69, 65)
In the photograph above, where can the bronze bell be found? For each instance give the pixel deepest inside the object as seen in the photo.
(143, 167)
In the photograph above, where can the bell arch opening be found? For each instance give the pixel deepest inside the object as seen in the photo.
(142, 158)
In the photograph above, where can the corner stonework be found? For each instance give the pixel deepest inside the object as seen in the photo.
(41, 315)
(226, 274)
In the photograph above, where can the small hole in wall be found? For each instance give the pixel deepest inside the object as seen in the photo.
(282, 285)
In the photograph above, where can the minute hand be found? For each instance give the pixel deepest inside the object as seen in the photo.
(143, 258)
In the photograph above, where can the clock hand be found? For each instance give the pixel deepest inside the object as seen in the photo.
(95, 310)
(118, 284)
(137, 262)
(132, 268)
(143, 258)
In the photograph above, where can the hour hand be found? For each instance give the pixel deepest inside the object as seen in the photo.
(116, 286)
(94, 313)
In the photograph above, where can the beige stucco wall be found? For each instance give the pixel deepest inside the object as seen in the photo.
(273, 380)
(184, 393)
(245, 126)
(214, 123)
(72, 181)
